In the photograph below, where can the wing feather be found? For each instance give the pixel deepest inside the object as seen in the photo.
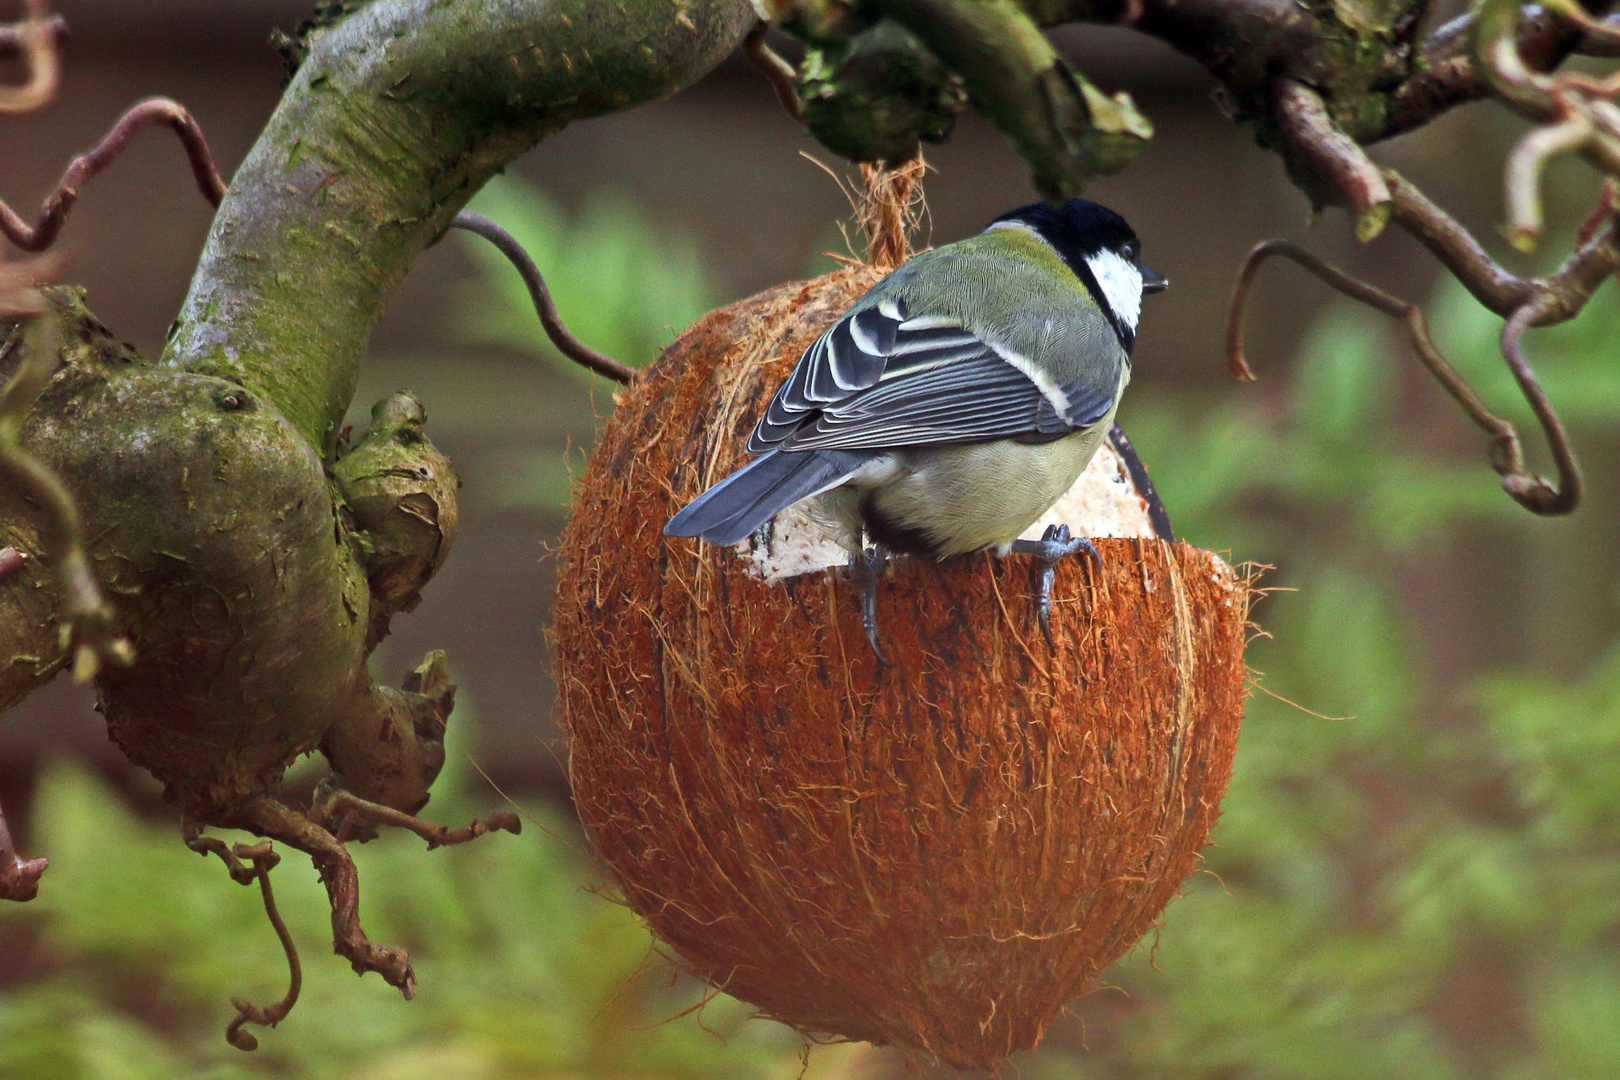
(881, 378)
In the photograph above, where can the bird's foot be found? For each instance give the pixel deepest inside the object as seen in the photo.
(865, 568)
(1055, 545)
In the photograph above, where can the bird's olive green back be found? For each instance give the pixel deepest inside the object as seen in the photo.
(1012, 289)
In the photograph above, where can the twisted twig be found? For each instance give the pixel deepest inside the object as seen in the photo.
(1530, 491)
(16, 38)
(1571, 109)
(263, 858)
(777, 71)
(341, 810)
(566, 343)
(1507, 454)
(148, 113)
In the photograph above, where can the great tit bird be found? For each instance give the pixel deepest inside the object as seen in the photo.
(955, 402)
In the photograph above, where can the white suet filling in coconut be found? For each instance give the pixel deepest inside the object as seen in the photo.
(1102, 503)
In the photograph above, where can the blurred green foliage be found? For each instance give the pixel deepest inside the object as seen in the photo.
(1431, 887)
(524, 973)
(1428, 888)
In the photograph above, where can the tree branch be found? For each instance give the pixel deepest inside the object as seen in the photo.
(395, 118)
(1067, 130)
(1336, 169)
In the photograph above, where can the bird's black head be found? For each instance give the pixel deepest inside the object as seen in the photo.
(1101, 249)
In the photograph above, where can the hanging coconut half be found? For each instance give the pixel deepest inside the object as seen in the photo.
(937, 855)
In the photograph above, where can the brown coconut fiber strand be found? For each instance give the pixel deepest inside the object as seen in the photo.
(938, 855)
(889, 209)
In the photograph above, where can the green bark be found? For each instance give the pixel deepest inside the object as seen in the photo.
(393, 120)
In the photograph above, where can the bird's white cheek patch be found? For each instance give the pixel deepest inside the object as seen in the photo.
(1103, 502)
(1121, 283)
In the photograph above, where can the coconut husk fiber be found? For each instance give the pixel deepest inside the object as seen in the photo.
(937, 855)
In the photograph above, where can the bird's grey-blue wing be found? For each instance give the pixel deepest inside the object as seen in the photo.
(880, 379)
(868, 346)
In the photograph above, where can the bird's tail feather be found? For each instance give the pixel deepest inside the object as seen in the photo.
(751, 496)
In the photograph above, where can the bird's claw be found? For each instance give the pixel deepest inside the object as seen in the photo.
(1055, 545)
(865, 568)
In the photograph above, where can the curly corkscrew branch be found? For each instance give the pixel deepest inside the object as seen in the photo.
(15, 39)
(272, 819)
(566, 343)
(1507, 453)
(777, 71)
(263, 858)
(1572, 109)
(149, 113)
(1455, 247)
(1530, 491)
(340, 811)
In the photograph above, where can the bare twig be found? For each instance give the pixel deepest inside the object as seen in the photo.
(1597, 33)
(263, 858)
(777, 71)
(1507, 454)
(148, 113)
(272, 819)
(1333, 156)
(1523, 174)
(35, 39)
(566, 343)
(1574, 116)
(1456, 248)
(341, 809)
(1449, 77)
(1530, 491)
(19, 878)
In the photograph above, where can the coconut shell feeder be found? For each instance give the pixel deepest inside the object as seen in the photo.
(937, 855)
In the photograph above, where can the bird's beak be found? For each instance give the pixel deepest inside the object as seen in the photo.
(1152, 280)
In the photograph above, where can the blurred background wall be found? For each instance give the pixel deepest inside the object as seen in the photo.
(1450, 585)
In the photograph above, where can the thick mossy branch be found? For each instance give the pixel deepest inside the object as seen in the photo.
(254, 561)
(394, 119)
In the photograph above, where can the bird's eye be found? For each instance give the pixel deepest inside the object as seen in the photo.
(1131, 250)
